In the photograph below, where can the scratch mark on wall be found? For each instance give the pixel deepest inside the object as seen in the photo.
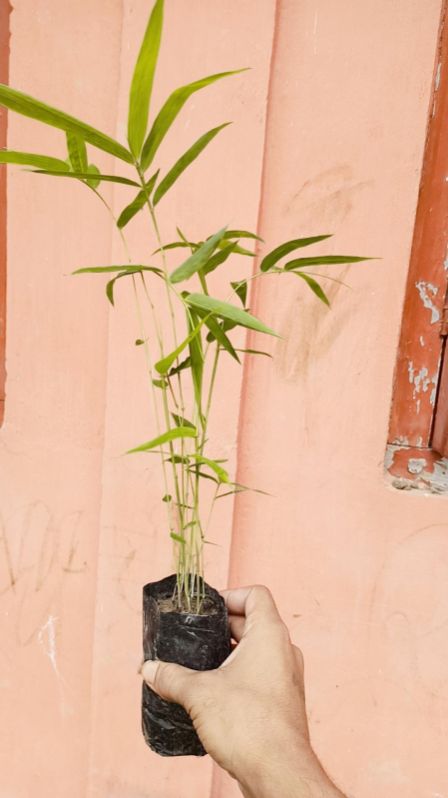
(315, 24)
(8, 558)
(47, 639)
(425, 291)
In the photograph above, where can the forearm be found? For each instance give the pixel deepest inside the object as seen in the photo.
(298, 776)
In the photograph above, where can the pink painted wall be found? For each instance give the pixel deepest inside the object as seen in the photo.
(328, 137)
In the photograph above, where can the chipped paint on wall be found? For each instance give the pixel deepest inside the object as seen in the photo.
(425, 290)
(422, 382)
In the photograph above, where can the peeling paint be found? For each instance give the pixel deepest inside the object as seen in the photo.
(401, 441)
(421, 382)
(416, 465)
(425, 289)
(422, 341)
(438, 75)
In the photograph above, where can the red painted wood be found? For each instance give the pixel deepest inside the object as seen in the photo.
(420, 347)
(5, 10)
(440, 435)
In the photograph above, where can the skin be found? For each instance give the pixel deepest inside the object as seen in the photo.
(250, 713)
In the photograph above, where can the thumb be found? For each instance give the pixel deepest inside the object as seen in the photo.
(169, 680)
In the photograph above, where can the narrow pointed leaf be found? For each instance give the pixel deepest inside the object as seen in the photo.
(137, 203)
(254, 352)
(87, 176)
(166, 437)
(196, 362)
(169, 112)
(241, 234)
(184, 161)
(177, 538)
(227, 311)
(163, 366)
(77, 152)
(218, 334)
(184, 364)
(125, 273)
(127, 268)
(93, 181)
(180, 421)
(220, 472)
(178, 245)
(35, 109)
(198, 259)
(202, 474)
(218, 258)
(240, 289)
(289, 246)
(323, 260)
(239, 250)
(142, 80)
(315, 287)
(32, 159)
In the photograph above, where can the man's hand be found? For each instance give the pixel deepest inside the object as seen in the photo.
(250, 713)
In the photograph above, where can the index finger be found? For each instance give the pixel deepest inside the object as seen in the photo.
(251, 601)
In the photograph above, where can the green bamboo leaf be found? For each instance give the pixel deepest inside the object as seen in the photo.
(241, 234)
(184, 161)
(229, 312)
(178, 538)
(180, 421)
(194, 470)
(218, 258)
(170, 435)
(125, 273)
(87, 176)
(254, 352)
(323, 260)
(169, 112)
(167, 498)
(196, 362)
(139, 342)
(198, 259)
(77, 152)
(284, 249)
(239, 250)
(240, 288)
(127, 268)
(175, 245)
(35, 109)
(142, 80)
(315, 287)
(239, 488)
(163, 366)
(220, 472)
(184, 364)
(32, 159)
(137, 203)
(159, 383)
(217, 334)
(93, 181)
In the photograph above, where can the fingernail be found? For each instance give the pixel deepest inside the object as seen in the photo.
(149, 670)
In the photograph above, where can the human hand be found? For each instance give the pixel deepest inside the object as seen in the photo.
(250, 713)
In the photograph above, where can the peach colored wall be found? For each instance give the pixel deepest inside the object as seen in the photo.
(328, 137)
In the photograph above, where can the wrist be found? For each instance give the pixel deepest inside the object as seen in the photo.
(293, 774)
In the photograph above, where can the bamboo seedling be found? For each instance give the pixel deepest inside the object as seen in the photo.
(182, 359)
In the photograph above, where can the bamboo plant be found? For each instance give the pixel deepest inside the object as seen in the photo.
(201, 324)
